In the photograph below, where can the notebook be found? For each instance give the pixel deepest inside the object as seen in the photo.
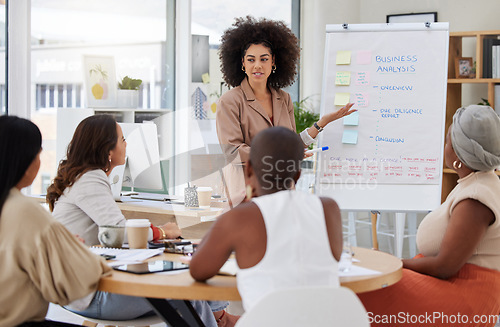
(123, 256)
(154, 197)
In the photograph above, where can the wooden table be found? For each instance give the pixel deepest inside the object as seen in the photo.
(154, 210)
(193, 222)
(182, 286)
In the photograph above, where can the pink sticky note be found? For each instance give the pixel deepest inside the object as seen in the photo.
(361, 99)
(362, 78)
(364, 57)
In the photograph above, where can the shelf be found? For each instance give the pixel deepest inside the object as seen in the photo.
(473, 33)
(451, 171)
(454, 88)
(132, 110)
(474, 80)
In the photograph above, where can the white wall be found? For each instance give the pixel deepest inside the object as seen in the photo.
(463, 15)
(315, 15)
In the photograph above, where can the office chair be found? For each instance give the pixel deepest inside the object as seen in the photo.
(307, 306)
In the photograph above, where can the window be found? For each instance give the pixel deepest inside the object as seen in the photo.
(141, 36)
(133, 32)
(2, 58)
(209, 19)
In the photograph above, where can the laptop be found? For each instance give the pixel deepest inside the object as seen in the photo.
(116, 182)
(154, 197)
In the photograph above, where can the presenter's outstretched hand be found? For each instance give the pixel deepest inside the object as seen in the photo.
(342, 112)
(329, 117)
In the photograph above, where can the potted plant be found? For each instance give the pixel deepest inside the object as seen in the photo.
(304, 118)
(128, 92)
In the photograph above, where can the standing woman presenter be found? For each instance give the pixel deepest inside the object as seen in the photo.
(258, 59)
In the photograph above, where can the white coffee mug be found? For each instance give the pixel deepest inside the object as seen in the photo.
(111, 236)
(204, 197)
(137, 233)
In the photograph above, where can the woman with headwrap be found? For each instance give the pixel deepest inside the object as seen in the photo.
(455, 281)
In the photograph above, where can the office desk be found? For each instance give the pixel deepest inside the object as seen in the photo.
(159, 210)
(182, 286)
(193, 222)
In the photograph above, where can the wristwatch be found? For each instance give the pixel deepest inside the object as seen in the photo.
(320, 129)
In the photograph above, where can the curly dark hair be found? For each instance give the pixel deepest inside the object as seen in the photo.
(272, 34)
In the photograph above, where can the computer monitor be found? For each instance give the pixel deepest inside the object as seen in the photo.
(143, 156)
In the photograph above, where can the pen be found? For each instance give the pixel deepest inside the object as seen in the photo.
(317, 150)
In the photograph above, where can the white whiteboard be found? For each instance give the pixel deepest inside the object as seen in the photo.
(389, 155)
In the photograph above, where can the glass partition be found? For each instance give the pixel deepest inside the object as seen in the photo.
(131, 32)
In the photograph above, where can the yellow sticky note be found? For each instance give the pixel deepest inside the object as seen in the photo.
(205, 78)
(341, 99)
(343, 78)
(343, 57)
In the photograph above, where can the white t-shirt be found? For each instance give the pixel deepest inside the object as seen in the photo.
(298, 250)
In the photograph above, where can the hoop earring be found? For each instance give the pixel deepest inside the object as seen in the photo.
(274, 69)
(457, 166)
(249, 191)
(243, 68)
(107, 168)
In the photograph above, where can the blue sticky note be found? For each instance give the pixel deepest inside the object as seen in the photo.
(350, 137)
(352, 119)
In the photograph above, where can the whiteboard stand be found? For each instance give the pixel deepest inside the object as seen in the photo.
(351, 228)
(390, 157)
(352, 222)
(400, 219)
(399, 232)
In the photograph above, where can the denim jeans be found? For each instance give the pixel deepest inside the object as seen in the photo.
(110, 306)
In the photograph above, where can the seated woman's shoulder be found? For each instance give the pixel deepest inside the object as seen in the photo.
(92, 176)
(242, 211)
(25, 208)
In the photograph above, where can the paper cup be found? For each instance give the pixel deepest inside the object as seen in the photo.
(137, 233)
(204, 197)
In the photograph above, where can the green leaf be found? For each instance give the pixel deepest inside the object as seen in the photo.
(485, 102)
(304, 118)
(128, 83)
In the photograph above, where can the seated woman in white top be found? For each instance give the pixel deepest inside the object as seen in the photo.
(80, 195)
(81, 199)
(39, 259)
(283, 238)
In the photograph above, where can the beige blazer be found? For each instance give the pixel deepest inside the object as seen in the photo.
(41, 262)
(240, 117)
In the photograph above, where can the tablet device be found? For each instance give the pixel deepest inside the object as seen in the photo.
(152, 267)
